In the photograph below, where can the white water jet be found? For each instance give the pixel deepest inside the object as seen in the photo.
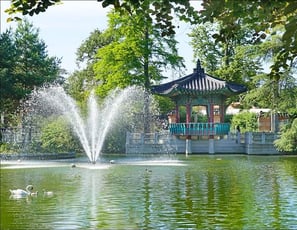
(92, 129)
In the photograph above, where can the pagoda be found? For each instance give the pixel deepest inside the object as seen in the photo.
(199, 89)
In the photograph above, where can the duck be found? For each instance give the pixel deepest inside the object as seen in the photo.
(47, 193)
(34, 193)
(21, 192)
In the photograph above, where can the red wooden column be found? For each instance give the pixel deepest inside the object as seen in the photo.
(211, 114)
(188, 111)
(177, 117)
(211, 120)
(188, 120)
(222, 112)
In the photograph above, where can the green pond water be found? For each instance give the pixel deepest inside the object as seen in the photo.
(173, 192)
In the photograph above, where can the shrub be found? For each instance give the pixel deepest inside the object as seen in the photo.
(246, 121)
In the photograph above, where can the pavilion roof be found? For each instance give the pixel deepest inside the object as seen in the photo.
(198, 83)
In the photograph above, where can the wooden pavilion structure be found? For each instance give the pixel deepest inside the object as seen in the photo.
(199, 89)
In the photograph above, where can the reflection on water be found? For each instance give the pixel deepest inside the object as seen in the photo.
(198, 192)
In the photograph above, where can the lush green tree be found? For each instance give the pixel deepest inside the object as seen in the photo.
(288, 139)
(8, 56)
(233, 59)
(165, 104)
(25, 64)
(263, 16)
(273, 38)
(161, 10)
(82, 81)
(246, 121)
(204, 46)
(243, 62)
(86, 53)
(137, 55)
(77, 85)
(57, 137)
(34, 66)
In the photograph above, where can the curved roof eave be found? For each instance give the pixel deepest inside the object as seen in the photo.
(198, 83)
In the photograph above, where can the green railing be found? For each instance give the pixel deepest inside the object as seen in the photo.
(199, 129)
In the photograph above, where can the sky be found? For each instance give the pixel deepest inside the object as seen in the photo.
(65, 26)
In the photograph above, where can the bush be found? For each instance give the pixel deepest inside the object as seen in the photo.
(246, 121)
(288, 139)
(57, 137)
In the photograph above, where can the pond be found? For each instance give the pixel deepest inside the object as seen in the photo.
(153, 192)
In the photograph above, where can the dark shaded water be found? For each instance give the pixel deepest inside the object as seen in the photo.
(198, 192)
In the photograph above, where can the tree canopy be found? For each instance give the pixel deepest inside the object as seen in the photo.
(240, 59)
(130, 51)
(160, 10)
(263, 15)
(233, 39)
(24, 65)
(137, 55)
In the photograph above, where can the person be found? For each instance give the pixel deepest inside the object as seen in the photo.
(238, 129)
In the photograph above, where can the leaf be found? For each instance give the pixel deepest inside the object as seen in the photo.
(291, 8)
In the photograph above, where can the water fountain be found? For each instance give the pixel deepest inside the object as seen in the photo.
(92, 128)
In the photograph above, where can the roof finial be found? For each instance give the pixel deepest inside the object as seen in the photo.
(198, 67)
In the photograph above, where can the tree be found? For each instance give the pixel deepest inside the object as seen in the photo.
(288, 139)
(56, 137)
(82, 81)
(8, 56)
(161, 10)
(86, 53)
(233, 58)
(137, 55)
(246, 121)
(34, 67)
(240, 59)
(263, 16)
(24, 65)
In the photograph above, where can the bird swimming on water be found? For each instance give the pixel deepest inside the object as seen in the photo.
(48, 193)
(21, 192)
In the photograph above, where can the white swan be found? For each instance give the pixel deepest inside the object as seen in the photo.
(21, 192)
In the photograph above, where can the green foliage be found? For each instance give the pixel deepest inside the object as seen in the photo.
(233, 59)
(24, 65)
(246, 121)
(165, 104)
(28, 7)
(205, 48)
(293, 112)
(6, 148)
(115, 140)
(81, 82)
(57, 137)
(160, 10)
(288, 139)
(86, 53)
(238, 58)
(261, 16)
(136, 56)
